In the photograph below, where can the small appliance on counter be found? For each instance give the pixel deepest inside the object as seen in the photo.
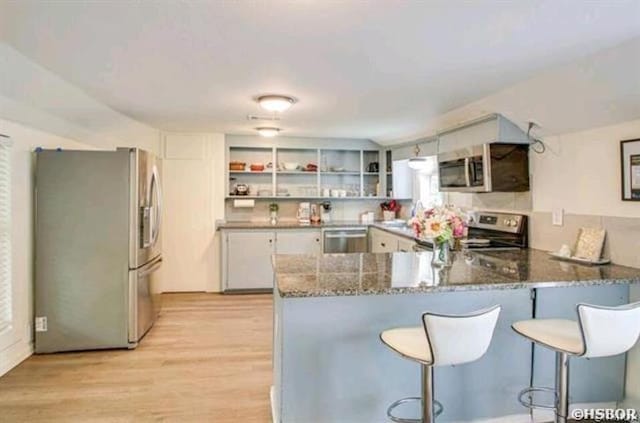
(241, 189)
(315, 216)
(304, 213)
(325, 212)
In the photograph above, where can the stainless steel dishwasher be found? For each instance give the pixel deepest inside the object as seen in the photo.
(345, 240)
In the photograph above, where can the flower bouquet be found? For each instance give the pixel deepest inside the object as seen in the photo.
(441, 225)
(390, 209)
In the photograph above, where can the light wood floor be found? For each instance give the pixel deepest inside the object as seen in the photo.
(207, 359)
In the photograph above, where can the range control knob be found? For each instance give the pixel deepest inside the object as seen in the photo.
(513, 223)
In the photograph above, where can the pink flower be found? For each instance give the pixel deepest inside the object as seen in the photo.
(458, 231)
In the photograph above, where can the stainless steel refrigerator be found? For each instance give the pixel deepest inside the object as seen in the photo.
(98, 248)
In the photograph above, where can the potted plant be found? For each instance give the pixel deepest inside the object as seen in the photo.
(442, 226)
(390, 210)
(273, 212)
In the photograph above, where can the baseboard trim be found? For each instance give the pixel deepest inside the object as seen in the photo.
(274, 412)
(14, 355)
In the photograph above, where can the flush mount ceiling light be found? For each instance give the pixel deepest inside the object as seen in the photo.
(275, 103)
(267, 131)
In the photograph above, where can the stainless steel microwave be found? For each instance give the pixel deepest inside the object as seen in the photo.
(493, 167)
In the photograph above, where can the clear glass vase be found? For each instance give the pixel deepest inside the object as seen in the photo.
(442, 254)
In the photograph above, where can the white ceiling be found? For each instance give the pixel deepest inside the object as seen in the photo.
(378, 69)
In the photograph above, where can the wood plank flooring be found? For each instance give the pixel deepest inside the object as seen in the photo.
(207, 359)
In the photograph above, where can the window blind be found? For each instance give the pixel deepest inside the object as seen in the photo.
(5, 234)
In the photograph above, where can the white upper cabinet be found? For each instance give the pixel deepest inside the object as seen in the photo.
(402, 179)
(487, 129)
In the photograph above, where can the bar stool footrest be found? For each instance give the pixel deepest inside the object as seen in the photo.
(532, 405)
(437, 407)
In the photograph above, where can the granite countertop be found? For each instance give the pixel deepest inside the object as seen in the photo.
(405, 273)
(288, 224)
(293, 224)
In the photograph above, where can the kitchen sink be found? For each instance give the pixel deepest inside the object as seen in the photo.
(398, 223)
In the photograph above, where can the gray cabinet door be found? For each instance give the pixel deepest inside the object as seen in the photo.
(305, 241)
(249, 260)
(382, 242)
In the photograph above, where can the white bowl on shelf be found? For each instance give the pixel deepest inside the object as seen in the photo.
(290, 166)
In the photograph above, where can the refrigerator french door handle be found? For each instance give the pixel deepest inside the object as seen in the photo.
(155, 187)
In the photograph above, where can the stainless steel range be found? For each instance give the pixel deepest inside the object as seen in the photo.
(497, 231)
(493, 231)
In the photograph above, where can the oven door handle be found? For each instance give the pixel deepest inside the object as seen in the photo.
(467, 177)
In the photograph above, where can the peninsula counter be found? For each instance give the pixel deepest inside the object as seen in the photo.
(329, 365)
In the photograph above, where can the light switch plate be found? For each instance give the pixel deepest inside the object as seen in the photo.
(557, 217)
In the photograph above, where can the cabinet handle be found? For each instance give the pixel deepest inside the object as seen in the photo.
(383, 244)
(317, 239)
(270, 241)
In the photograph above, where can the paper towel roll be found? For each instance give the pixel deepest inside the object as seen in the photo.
(244, 203)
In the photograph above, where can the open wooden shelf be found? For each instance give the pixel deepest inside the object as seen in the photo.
(354, 178)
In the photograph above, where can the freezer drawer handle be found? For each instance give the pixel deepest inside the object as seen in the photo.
(151, 269)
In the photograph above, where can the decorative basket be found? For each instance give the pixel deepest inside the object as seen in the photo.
(237, 166)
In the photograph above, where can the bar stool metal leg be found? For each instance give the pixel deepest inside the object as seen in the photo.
(427, 394)
(430, 407)
(562, 387)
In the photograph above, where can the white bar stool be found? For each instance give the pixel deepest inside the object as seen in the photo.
(443, 340)
(599, 332)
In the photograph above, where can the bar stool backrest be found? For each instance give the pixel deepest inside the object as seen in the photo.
(608, 331)
(458, 339)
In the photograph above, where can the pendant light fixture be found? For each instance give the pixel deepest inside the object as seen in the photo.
(276, 103)
(420, 163)
(268, 131)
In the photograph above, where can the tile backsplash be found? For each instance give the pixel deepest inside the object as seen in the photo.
(507, 201)
(622, 244)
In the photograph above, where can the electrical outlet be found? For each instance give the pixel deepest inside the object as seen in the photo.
(557, 217)
(41, 324)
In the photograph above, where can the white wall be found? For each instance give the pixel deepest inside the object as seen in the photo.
(193, 166)
(580, 172)
(39, 109)
(24, 141)
(597, 90)
(35, 97)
